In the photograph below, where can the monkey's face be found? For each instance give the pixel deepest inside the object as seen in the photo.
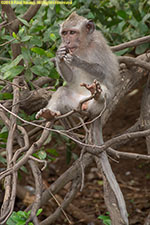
(76, 33)
(71, 39)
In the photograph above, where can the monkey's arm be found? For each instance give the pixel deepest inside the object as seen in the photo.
(65, 71)
(94, 69)
(62, 67)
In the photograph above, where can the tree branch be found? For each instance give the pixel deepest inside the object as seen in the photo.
(132, 43)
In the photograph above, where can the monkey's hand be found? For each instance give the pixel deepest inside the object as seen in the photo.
(72, 59)
(47, 114)
(62, 52)
(66, 55)
(94, 88)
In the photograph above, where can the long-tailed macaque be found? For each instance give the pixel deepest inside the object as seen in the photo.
(86, 63)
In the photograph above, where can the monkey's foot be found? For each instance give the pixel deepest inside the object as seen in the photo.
(94, 88)
(47, 114)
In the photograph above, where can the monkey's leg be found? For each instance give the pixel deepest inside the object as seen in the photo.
(62, 101)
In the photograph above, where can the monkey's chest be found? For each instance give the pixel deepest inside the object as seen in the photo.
(81, 76)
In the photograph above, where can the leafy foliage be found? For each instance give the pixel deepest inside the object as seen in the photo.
(20, 218)
(106, 219)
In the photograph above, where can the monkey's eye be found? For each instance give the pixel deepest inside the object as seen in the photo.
(64, 33)
(72, 32)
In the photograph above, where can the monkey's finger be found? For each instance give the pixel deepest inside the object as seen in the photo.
(68, 58)
(62, 49)
(38, 115)
(84, 85)
(61, 53)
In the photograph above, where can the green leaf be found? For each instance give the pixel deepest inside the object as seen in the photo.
(141, 48)
(7, 37)
(39, 212)
(54, 74)
(16, 70)
(24, 169)
(122, 52)
(4, 136)
(146, 17)
(21, 31)
(10, 221)
(28, 213)
(28, 74)
(136, 12)
(143, 27)
(39, 51)
(22, 214)
(52, 37)
(106, 219)
(39, 70)
(49, 138)
(42, 155)
(26, 53)
(36, 41)
(4, 129)
(122, 14)
(12, 64)
(23, 21)
(2, 160)
(14, 35)
(50, 54)
(6, 96)
(52, 152)
(26, 38)
(91, 15)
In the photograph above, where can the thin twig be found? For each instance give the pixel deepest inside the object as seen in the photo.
(39, 161)
(59, 204)
(7, 42)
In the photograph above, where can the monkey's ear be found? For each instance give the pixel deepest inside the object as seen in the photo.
(90, 26)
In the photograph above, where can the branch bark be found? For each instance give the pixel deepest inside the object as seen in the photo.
(132, 43)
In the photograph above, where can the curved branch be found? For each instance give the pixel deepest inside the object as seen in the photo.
(132, 43)
(13, 22)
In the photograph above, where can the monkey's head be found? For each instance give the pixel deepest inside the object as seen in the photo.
(76, 31)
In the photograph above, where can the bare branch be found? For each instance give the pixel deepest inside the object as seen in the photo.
(145, 112)
(132, 43)
(10, 181)
(38, 193)
(12, 19)
(9, 146)
(31, 150)
(127, 155)
(112, 193)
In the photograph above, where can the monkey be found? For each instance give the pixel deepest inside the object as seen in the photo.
(89, 67)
